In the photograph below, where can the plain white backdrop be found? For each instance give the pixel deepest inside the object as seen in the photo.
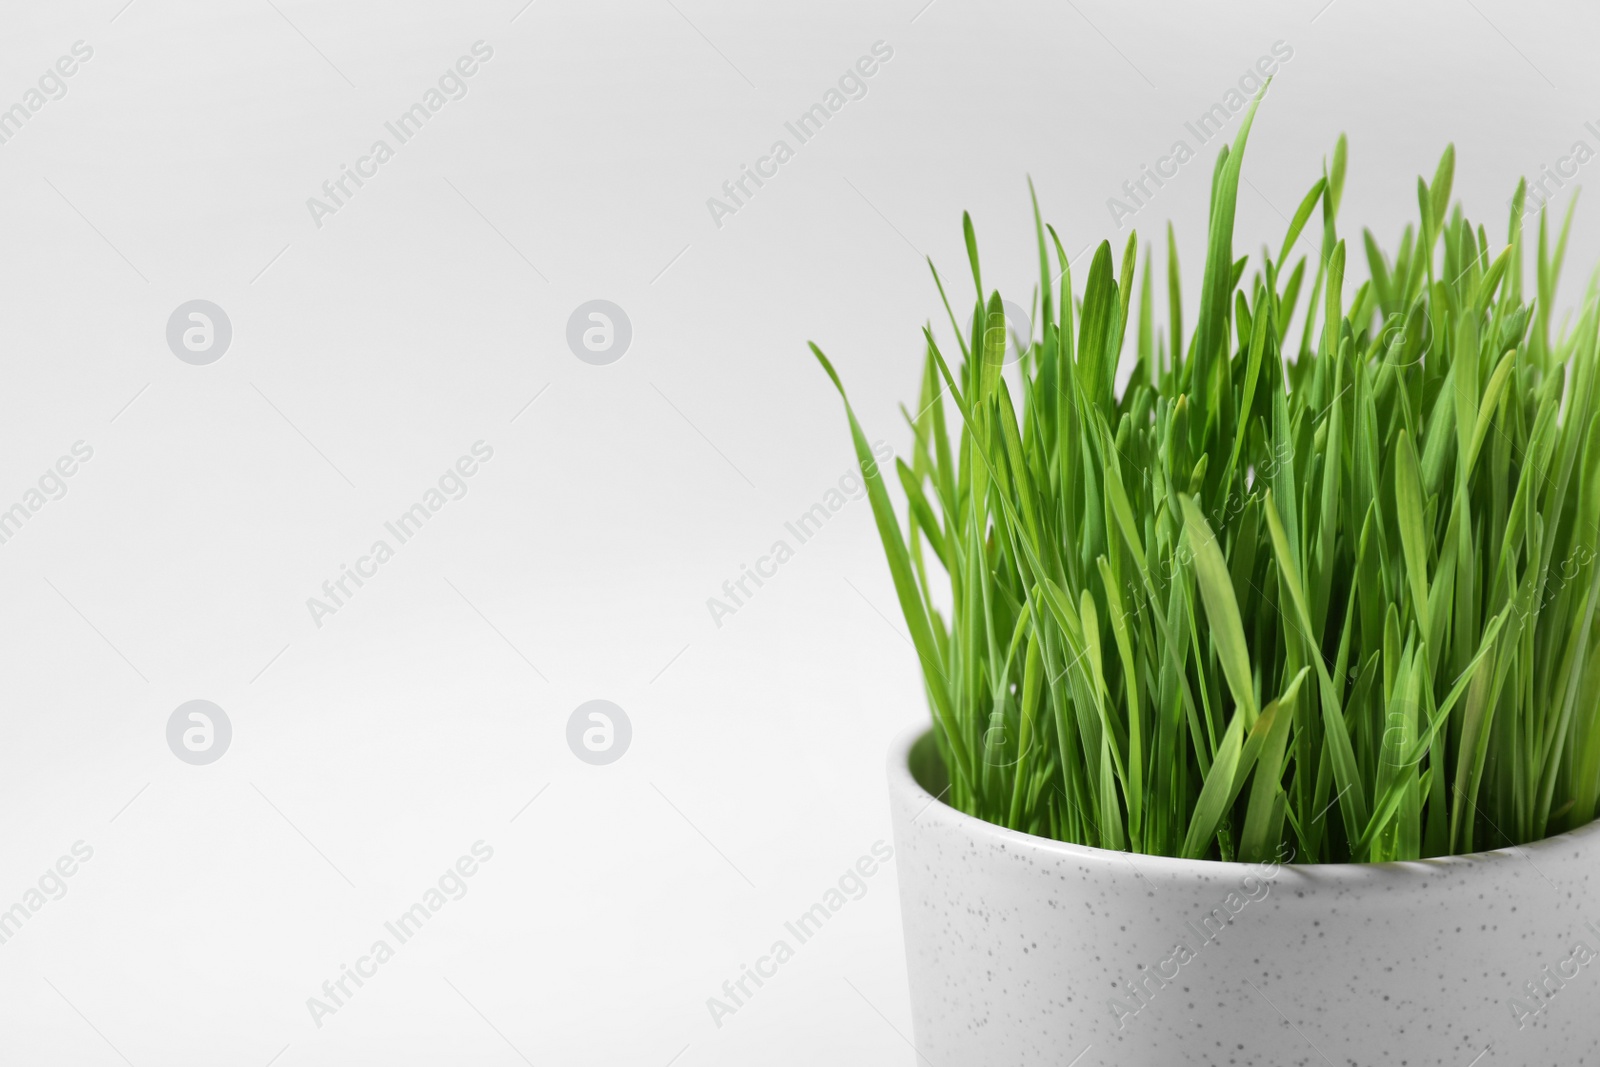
(374, 346)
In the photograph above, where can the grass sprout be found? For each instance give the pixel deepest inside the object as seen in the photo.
(1332, 588)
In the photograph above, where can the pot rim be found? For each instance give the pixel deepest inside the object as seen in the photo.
(902, 782)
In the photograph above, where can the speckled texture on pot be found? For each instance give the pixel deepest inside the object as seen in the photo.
(1023, 950)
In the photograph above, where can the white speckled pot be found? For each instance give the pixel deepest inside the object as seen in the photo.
(1024, 950)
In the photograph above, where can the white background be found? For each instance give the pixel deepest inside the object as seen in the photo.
(372, 351)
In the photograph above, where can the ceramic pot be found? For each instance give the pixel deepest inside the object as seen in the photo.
(1023, 950)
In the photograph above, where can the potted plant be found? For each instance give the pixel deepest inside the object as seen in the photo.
(1264, 687)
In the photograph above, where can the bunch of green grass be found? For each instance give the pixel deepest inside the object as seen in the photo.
(1342, 602)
